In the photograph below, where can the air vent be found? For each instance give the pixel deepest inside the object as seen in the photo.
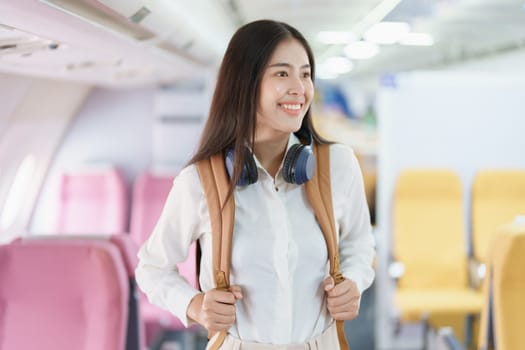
(16, 42)
(101, 15)
(173, 27)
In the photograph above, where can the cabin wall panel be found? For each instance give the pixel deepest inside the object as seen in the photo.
(113, 127)
(34, 128)
(464, 120)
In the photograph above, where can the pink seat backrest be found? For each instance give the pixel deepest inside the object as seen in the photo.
(94, 202)
(63, 294)
(149, 195)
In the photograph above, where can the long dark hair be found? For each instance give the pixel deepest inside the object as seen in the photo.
(232, 118)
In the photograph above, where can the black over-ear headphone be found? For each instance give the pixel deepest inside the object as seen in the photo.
(298, 166)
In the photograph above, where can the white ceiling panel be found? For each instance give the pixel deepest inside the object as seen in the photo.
(462, 29)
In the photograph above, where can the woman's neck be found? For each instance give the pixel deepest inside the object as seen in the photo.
(270, 153)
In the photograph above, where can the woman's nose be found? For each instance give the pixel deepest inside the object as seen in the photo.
(296, 86)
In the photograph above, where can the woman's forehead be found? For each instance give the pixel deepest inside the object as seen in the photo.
(289, 51)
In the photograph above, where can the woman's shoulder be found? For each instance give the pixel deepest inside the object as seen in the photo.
(343, 163)
(189, 171)
(341, 154)
(188, 178)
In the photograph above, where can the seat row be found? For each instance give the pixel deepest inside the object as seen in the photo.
(430, 242)
(503, 311)
(97, 202)
(93, 209)
(64, 292)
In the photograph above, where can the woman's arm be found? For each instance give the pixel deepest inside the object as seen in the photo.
(356, 242)
(179, 225)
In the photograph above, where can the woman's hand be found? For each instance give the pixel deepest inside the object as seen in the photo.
(342, 299)
(215, 309)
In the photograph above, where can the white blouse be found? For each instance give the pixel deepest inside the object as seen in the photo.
(279, 255)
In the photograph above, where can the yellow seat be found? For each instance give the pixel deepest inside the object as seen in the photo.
(368, 170)
(506, 276)
(429, 240)
(497, 197)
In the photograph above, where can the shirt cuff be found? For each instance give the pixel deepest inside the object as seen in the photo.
(178, 302)
(362, 280)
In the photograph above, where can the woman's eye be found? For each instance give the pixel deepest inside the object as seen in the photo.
(282, 74)
(306, 75)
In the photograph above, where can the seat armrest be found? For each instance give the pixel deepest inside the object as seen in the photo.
(448, 339)
(477, 272)
(396, 269)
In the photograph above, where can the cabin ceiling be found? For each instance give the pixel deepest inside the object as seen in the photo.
(462, 29)
(130, 42)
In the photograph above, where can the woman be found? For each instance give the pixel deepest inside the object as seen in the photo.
(281, 292)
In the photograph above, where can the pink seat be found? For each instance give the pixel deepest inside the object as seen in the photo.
(149, 194)
(95, 201)
(59, 293)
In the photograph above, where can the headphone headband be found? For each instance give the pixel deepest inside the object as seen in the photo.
(298, 165)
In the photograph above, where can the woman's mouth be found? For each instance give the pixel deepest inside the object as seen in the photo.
(291, 108)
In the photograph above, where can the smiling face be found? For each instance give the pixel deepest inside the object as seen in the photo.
(286, 92)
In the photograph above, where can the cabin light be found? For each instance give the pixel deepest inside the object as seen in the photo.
(323, 75)
(387, 33)
(335, 37)
(18, 191)
(337, 65)
(361, 50)
(323, 71)
(417, 39)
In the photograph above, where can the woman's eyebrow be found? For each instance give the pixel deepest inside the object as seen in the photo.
(287, 65)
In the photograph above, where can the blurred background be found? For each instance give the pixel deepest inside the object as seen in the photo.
(102, 103)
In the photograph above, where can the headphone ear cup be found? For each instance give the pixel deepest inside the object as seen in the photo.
(229, 161)
(299, 164)
(249, 173)
(304, 165)
(289, 163)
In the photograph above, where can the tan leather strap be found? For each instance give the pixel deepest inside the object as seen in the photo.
(218, 341)
(319, 193)
(223, 248)
(215, 183)
(343, 344)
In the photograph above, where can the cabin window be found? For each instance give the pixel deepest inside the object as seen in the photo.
(18, 191)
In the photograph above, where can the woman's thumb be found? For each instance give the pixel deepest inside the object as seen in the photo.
(237, 292)
(328, 283)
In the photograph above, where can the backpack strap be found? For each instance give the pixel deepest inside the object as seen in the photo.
(319, 193)
(215, 183)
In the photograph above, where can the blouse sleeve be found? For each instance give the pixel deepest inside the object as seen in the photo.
(356, 242)
(178, 226)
